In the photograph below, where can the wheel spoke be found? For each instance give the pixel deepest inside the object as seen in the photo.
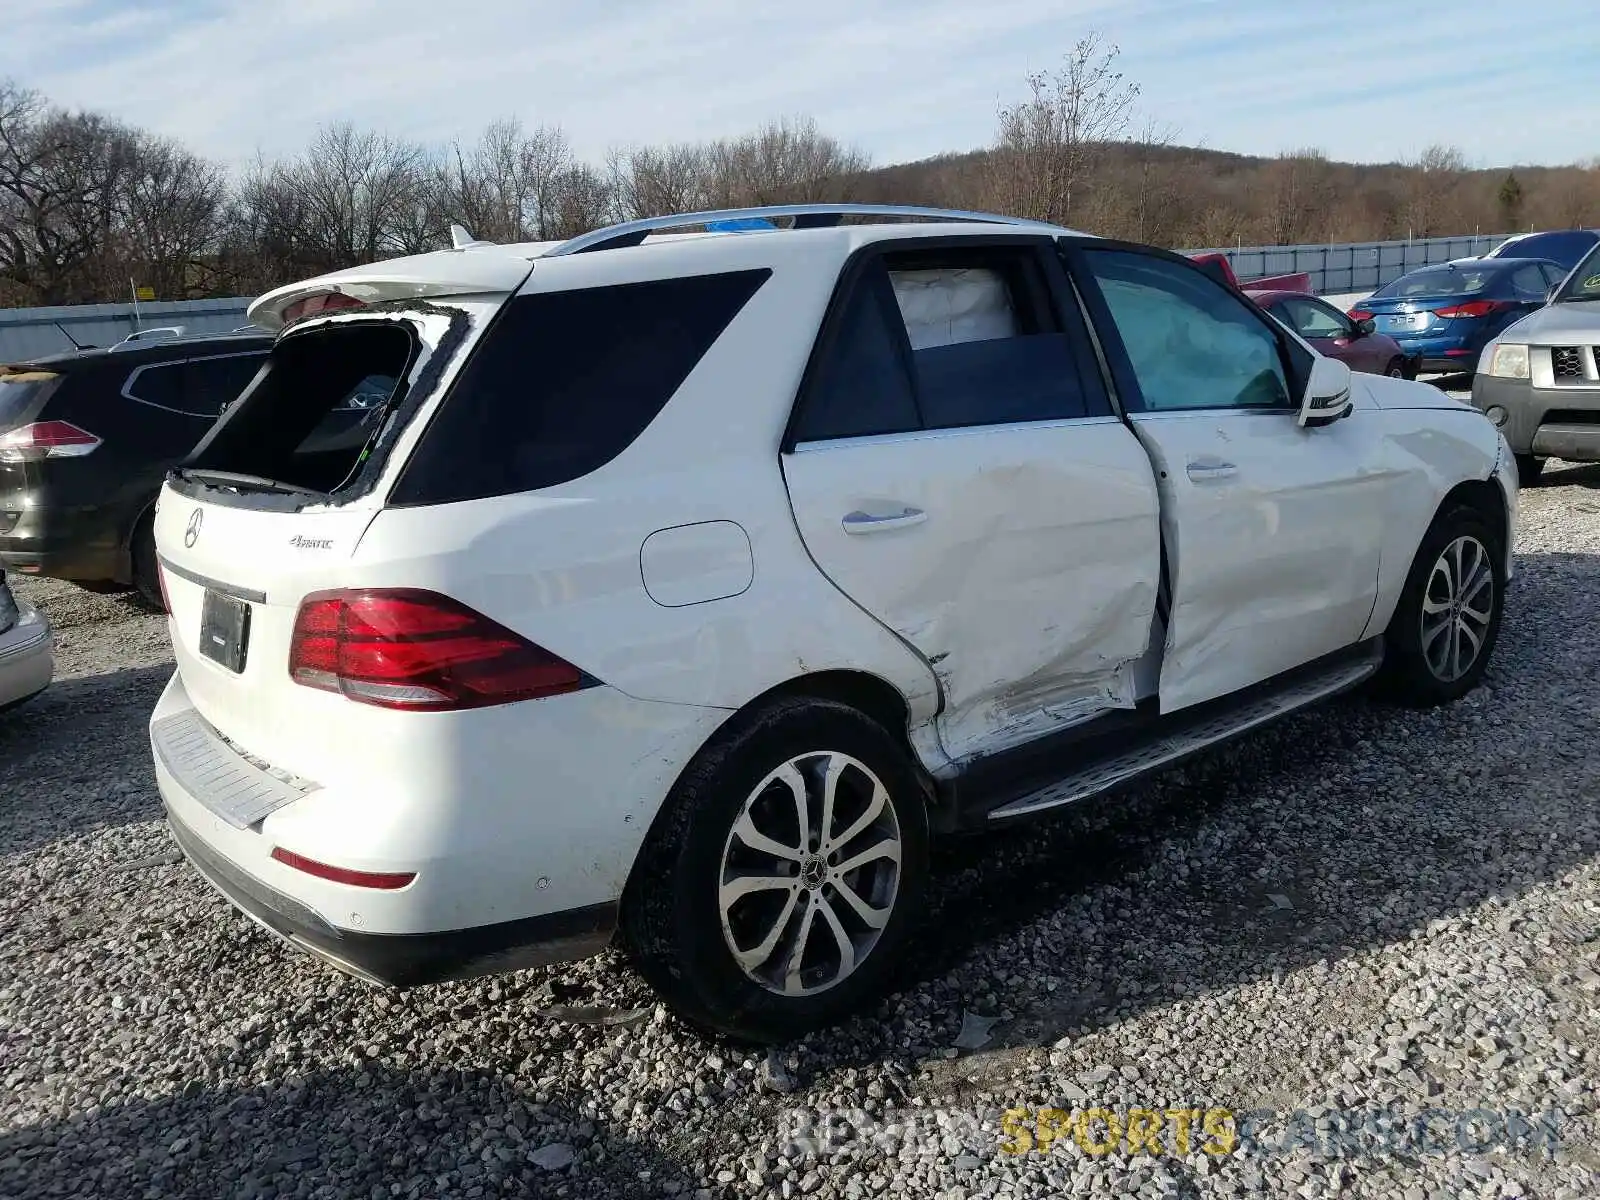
(837, 764)
(745, 830)
(1430, 633)
(873, 918)
(888, 849)
(875, 807)
(1455, 650)
(791, 777)
(1431, 606)
(1467, 634)
(758, 954)
(797, 952)
(740, 886)
(847, 949)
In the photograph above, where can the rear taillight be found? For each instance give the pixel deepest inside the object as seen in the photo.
(1360, 314)
(323, 302)
(387, 881)
(1472, 308)
(46, 439)
(410, 649)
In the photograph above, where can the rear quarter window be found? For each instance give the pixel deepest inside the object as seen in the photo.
(566, 381)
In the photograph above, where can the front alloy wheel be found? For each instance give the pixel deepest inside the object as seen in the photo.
(1457, 607)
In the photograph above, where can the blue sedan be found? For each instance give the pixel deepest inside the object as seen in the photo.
(1443, 316)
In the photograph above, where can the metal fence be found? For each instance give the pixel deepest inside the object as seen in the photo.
(1355, 267)
(35, 332)
(1360, 267)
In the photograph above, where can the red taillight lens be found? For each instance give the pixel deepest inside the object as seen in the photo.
(420, 651)
(321, 303)
(1360, 314)
(46, 439)
(1472, 308)
(382, 880)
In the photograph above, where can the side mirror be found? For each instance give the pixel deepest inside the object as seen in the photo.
(1327, 395)
(1366, 326)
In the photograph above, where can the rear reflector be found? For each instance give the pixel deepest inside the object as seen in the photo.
(409, 649)
(323, 302)
(46, 439)
(383, 881)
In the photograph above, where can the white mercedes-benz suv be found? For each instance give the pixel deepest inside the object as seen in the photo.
(685, 584)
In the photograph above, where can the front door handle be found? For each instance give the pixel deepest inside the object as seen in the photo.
(860, 522)
(1206, 470)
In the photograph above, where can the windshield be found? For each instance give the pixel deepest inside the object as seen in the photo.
(1583, 283)
(1435, 281)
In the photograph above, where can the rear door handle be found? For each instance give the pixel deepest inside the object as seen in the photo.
(860, 522)
(1204, 471)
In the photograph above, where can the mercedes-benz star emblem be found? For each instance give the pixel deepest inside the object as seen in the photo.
(191, 535)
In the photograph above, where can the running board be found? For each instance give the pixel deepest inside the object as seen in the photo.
(1163, 751)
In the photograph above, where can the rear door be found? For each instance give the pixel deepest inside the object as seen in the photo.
(1272, 531)
(955, 468)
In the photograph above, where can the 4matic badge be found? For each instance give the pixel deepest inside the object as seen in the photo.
(305, 543)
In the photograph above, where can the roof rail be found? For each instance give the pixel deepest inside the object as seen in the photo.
(806, 216)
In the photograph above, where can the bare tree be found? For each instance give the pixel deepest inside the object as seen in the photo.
(1049, 144)
(1299, 195)
(651, 181)
(170, 217)
(788, 161)
(1436, 175)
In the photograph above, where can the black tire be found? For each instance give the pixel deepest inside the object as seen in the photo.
(146, 574)
(672, 920)
(1410, 675)
(1396, 368)
(1529, 469)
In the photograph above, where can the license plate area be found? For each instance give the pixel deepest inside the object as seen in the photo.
(225, 630)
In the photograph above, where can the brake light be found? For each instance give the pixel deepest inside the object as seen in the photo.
(383, 880)
(404, 648)
(46, 439)
(1360, 314)
(1472, 308)
(322, 302)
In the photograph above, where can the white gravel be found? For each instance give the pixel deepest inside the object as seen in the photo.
(1359, 910)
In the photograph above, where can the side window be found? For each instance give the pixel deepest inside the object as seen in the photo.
(1313, 321)
(160, 386)
(566, 381)
(986, 345)
(211, 384)
(1191, 343)
(861, 386)
(1553, 274)
(1529, 281)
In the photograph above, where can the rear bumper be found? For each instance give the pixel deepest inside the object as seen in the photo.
(1450, 353)
(404, 960)
(27, 661)
(67, 543)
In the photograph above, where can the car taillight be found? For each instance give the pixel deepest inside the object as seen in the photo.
(387, 881)
(409, 649)
(1472, 308)
(321, 303)
(1360, 314)
(46, 439)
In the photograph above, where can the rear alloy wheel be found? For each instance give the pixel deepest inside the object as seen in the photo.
(1396, 369)
(1448, 618)
(781, 880)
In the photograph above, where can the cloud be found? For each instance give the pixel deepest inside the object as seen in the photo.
(897, 78)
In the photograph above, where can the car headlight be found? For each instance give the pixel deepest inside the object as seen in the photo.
(1508, 361)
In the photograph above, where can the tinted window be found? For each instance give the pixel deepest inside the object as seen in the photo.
(1562, 246)
(861, 386)
(196, 388)
(1553, 274)
(1436, 281)
(1529, 281)
(1191, 343)
(565, 381)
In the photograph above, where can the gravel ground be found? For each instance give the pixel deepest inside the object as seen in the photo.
(1358, 910)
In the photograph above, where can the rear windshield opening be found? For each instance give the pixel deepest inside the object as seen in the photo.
(22, 394)
(311, 414)
(1437, 281)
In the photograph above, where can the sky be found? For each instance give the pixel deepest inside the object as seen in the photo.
(898, 79)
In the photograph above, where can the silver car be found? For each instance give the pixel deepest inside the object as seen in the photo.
(1539, 380)
(26, 660)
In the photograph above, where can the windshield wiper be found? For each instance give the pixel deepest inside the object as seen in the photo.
(258, 483)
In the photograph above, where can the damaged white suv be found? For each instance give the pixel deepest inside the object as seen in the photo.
(685, 584)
